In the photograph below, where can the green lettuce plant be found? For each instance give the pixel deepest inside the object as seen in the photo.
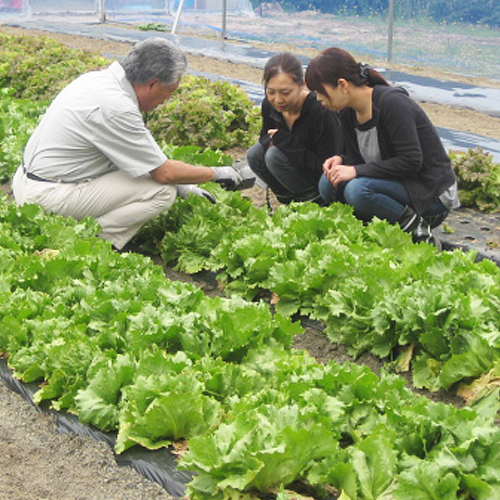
(207, 114)
(113, 341)
(478, 179)
(39, 67)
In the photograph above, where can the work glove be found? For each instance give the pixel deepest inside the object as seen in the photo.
(184, 190)
(228, 178)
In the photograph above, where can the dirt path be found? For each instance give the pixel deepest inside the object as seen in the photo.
(37, 462)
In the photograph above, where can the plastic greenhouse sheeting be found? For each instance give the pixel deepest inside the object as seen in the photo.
(130, 7)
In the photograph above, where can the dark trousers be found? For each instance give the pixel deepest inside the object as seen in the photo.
(286, 181)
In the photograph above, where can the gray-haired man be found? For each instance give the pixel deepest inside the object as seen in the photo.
(92, 155)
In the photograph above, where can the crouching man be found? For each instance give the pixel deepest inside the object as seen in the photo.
(92, 155)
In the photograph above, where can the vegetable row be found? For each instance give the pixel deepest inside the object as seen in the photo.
(373, 290)
(125, 349)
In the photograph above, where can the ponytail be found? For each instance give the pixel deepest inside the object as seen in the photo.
(371, 76)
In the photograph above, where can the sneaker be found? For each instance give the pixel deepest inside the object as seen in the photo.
(422, 234)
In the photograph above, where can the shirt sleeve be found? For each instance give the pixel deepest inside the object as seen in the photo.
(267, 123)
(129, 145)
(309, 150)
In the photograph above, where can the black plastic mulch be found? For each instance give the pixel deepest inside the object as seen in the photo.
(469, 229)
(159, 466)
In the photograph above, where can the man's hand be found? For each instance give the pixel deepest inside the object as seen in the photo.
(184, 190)
(227, 177)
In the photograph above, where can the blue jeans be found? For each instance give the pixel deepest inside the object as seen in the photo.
(382, 198)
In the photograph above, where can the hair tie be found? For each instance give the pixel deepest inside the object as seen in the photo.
(363, 70)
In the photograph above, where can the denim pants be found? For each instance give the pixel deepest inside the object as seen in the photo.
(382, 198)
(272, 166)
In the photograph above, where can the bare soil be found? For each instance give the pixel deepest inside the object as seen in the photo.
(36, 461)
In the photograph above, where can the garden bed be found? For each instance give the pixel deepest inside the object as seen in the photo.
(313, 341)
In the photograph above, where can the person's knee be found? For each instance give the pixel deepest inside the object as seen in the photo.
(255, 156)
(164, 198)
(357, 192)
(168, 192)
(275, 161)
(327, 191)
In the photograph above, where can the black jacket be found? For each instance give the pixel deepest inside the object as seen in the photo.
(315, 135)
(410, 147)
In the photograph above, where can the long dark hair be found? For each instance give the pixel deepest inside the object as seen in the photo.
(333, 64)
(284, 62)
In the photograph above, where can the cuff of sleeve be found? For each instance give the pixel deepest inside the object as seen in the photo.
(280, 137)
(361, 171)
(265, 140)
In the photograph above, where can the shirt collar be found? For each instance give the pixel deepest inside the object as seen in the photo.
(118, 72)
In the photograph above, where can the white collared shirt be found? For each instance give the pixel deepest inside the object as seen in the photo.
(92, 127)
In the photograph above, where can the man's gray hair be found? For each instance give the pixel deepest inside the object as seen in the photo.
(155, 58)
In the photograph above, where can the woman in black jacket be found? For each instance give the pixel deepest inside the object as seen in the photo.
(298, 134)
(393, 166)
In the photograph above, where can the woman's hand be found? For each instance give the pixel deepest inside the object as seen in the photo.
(330, 162)
(340, 173)
(271, 132)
